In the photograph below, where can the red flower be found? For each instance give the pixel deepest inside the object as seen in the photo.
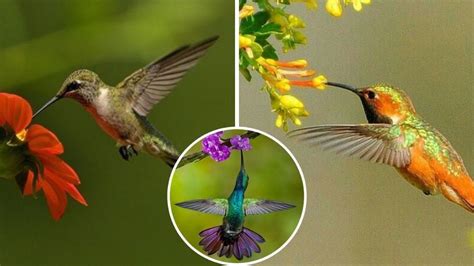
(42, 168)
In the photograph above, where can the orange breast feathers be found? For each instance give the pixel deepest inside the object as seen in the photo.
(107, 127)
(434, 175)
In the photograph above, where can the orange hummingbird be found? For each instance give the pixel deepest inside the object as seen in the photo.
(396, 135)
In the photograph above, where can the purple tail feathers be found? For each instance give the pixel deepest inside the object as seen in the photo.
(242, 245)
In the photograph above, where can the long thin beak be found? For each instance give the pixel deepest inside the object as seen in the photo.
(242, 166)
(49, 103)
(343, 86)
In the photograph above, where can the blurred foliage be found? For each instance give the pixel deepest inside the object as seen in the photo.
(273, 175)
(126, 222)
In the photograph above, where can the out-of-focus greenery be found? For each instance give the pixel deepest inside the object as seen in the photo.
(273, 175)
(127, 221)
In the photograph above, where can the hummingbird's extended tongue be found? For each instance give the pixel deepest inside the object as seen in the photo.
(342, 86)
(50, 102)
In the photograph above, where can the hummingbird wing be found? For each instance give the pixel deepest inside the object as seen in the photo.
(211, 206)
(149, 85)
(381, 143)
(258, 206)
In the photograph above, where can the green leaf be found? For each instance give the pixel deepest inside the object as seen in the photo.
(243, 61)
(269, 52)
(242, 3)
(246, 73)
(256, 49)
(269, 28)
(251, 24)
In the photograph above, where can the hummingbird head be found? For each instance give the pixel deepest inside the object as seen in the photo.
(382, 103)
(81, 86)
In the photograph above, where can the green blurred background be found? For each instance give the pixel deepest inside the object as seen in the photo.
(273, 175)
(363, 213)
(127, 220)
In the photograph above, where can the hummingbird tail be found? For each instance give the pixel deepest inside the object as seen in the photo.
(461, 191)
(215, 239)
(159, 146)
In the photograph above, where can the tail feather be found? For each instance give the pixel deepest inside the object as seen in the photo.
(242, 245)
(157, 145)
(460, 190)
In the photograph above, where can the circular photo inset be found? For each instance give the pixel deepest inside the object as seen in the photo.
(236, 195)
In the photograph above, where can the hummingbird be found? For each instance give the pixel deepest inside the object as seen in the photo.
(398, 136)
(232, 238)
(121, 110)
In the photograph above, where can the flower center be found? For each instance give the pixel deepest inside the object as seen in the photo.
(22, 135)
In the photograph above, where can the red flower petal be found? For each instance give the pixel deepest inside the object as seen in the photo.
(3, 107)
(41, 140)
(28, 189)
(56, 199)
(69, 188)
(54, 166)
(15, 111)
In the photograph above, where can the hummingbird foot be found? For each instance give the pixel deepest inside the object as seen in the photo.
(127, 152)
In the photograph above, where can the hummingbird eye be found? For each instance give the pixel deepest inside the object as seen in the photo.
(74, 85)
(371, 95)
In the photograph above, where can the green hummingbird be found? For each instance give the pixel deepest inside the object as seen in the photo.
(398, 136)
(232, 238)
(121, 110)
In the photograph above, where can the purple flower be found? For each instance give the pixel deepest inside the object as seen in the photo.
(239, 143)
(220, 153)
(210, 142)
(213, 146)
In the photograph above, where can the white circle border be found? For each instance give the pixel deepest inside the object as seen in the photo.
(168, 196)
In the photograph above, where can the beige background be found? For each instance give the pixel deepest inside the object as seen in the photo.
(360, 212)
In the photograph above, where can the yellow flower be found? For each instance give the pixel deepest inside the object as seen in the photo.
(283, 85)
(287, 107)
(247, 10)
(310, 4)
(296, 22)
(334, 7)
(244, 41)
(300, 63)
(357, 4)
(319, 82)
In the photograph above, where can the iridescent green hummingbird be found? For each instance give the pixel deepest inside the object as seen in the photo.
(121, 110)
(398, 136)
(232, 238)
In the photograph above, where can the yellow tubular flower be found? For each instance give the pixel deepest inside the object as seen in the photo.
(301, 63)
(283, 85)
(334, 7)
(319, 82)
(244, 41)
(247, 10)
(279, 121)
(357, 4)
(310, 4)
(296, 22)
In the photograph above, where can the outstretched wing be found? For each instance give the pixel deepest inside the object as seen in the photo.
(381, 143)
(257, 206)
(211, 206)
(149, 85)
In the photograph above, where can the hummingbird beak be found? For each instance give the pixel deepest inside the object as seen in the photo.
(49, 103)
(344, 86)
(242, 166)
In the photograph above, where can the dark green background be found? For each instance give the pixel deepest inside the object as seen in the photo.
(273, 175)
(127, 221)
